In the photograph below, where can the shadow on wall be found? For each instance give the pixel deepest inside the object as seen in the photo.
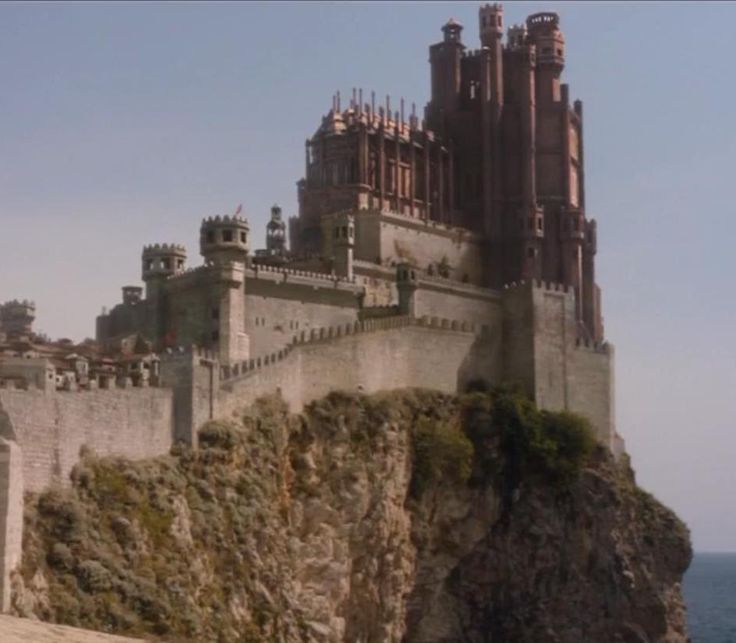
(482, 363)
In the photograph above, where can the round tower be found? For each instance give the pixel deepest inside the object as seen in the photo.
(444, 60)
(544, 32)
(224, 239)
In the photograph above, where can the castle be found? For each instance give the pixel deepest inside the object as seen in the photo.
(439, 252)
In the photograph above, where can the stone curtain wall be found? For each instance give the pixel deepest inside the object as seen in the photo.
(51, 428)
(373, 356)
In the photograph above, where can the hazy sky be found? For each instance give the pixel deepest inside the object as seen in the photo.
(125, 124)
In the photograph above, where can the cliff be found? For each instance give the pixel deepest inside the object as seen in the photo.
(410, 516)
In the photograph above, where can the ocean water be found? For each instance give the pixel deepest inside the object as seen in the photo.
(710, 595)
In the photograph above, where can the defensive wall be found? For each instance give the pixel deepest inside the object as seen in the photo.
(51, 427)
(370, 356)
(528, 335)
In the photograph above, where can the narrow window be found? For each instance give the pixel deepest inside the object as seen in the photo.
(211, 236)
(227, 236)
(166, 263)
(242, 237)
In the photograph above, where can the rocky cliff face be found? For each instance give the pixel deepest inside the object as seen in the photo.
(411, 516)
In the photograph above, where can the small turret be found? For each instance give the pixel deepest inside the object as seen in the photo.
(162, 260)
(406, 284)
(132, 295)
(344, 244)
(516, 36)
(224, 239)
(276, 233)
(452, 31)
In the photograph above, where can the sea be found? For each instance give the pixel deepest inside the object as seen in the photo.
(710, 595)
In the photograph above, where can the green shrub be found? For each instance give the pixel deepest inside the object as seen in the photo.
(65, 515)
(220, 435)
(441, 452)
(514, 440)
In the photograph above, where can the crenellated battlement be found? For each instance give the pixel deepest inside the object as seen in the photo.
(258, 270)
(227, 219)
(333, 333)
(539, 285)
(164, 248)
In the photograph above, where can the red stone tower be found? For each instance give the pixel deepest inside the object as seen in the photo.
(501, 153)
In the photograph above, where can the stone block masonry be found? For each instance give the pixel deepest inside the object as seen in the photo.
(50, 429)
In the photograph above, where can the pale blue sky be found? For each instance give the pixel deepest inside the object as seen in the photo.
(124, 124)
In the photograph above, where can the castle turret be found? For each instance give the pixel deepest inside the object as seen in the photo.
(344, 244)
(223, 242)
(276, 233)
(16, 318)
(132, 295)
(159, 262)
(406, 284)
(544, 32)
(444, 58)
(224, 239)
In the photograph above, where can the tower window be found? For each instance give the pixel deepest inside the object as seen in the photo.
(180, 263)
(539, 224)
(211, 237)
(227, 236)
(242, 237)
(166, 263)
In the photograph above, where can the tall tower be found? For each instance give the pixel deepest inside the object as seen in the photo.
(223, 243)
(159, 262)
(276, 233)
(444, 59)
(544, 32)
(490, 18)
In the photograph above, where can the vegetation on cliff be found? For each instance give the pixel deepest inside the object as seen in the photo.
(481, 509)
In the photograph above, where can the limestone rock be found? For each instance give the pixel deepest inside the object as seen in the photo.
(314, 528)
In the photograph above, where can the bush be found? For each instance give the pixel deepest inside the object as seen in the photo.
(441, 452)
(218, 435)
(514, 440)
(65, 515)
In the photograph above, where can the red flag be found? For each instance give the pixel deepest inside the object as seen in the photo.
(240, 209)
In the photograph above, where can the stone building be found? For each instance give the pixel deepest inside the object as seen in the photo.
(433, 253)
(425, 220)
